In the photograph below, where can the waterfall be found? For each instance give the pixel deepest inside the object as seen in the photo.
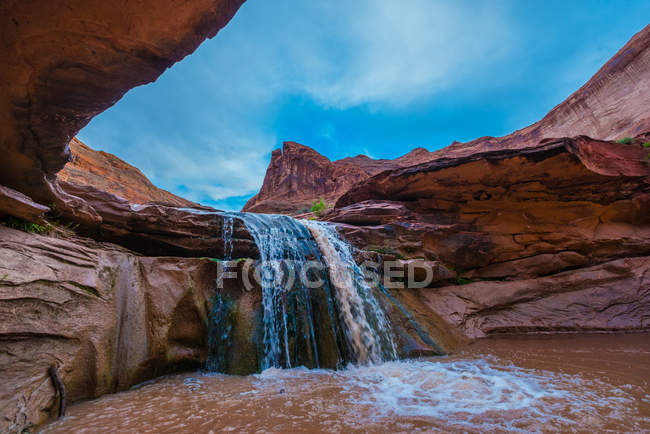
(284, 245)
(227, 237)
(366, 327)
(316, 308)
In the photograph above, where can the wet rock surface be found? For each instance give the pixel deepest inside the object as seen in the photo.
(106, 317)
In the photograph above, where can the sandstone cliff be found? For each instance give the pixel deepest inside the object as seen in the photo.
(65, 62)
(550, 238)
(298, 175)
(107, 172)
(613, 104)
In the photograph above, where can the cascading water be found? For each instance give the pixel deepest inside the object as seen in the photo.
(366, 327)
(220, 328)
(228, 223)
(316, 308)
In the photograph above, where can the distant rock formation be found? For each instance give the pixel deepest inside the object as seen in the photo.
(613, 104)
(109, 173)
(298, 175)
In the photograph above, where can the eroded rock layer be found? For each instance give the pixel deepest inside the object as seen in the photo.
(510, 218)
(298, 175)
(107, 172)
(107, 318)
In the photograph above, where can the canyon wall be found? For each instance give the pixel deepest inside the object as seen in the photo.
(546, 239)
(108, 173)
(104, 316)
(64, 62)
(297, 176)
(613, 104)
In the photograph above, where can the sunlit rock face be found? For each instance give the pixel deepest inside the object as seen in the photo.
(298, 175)
(107, 172)
(65, 62)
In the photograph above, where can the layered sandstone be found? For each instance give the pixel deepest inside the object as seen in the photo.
(613, 104)
(298, 175)
(157, 228)
(105, 317)
(64, 62)
(536, 230)
(109, 173)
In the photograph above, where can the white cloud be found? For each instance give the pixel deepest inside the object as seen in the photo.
(208, 122)
(373, 51)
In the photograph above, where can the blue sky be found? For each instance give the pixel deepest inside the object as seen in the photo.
(374, 77)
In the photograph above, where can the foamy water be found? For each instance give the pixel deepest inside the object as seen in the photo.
(481, 389)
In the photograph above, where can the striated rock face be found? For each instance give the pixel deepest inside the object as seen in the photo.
(158, 229)
(566, 203)
(514, 217)
(64, 62)
(613, 296)
(107, 318)
(107, 172)
(298, 175)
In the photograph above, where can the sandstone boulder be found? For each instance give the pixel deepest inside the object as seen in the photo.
(16, 204)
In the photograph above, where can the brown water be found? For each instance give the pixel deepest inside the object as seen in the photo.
(569, 383)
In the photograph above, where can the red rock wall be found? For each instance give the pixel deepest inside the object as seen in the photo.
(106, 317)
(64, 62)
(298, 175)
(108, 173)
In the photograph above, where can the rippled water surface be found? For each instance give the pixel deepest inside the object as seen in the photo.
(570, 383)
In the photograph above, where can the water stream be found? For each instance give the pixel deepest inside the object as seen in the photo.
(560, 383)
(317, 310)
(366, 328)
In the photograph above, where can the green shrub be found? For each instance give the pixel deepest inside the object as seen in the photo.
(463, 281)
(646, 145)
(625, 140)
(25, 226)
(318, 206)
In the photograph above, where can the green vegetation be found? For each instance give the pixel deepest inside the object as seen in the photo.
(386, 251)
(318, 206)
(25, 226)
(625, 140)
(463, 281)
(646, 145)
